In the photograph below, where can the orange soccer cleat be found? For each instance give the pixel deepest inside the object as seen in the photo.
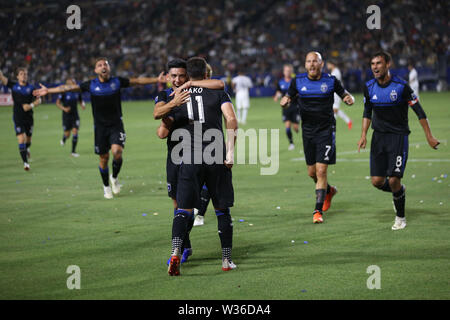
(317, 217)
(174, 265)
(329, 196)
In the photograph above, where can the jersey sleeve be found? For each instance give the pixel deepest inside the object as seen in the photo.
(292, 91)
(85, 86)
(367, 104)
(59, 96)
(278, 87)
(409, 96)
(124, 82)
(338, 88)
(161, 97)
(224, 97)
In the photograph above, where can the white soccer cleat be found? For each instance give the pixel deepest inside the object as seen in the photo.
(115, 186)
(62, 143)
(107, 192)
(199, 220)
(228, 265)
(400, 223)
(75, 155)
(26, 166)
(291, 147)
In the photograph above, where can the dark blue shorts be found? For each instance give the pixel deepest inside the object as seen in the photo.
(388, 154)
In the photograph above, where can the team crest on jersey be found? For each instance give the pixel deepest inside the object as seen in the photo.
(324, 87)
(28, 90)
(113, 86)
(393, 95)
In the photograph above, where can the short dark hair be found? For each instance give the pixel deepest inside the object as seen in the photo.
(21, 68)
(176, 63)
(386, 56)
(99, 59)
(196, 68)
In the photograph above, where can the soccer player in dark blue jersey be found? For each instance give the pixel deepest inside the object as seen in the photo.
(202, 115)
(24, 102)
(315, 93)
(291, 114)
(68, 102)
(177, 76)
(107, 112)
(387, 100)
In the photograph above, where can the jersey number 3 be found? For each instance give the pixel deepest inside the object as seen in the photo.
(201, 111)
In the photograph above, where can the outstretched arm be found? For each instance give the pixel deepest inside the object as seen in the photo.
(146, 80)
(3, 79)
(206, 83)
(432, 141)
(43, 90)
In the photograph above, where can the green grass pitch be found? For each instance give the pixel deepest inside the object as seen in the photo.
(55, 216)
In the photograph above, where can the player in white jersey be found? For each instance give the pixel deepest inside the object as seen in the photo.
(334, 71)
(413, 79)
(241, 85)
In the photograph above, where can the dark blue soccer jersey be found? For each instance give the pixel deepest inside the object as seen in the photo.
(283, 86)
(316, 98)
(387, 105)
(70, 99)
(105, 99)
(21, 95)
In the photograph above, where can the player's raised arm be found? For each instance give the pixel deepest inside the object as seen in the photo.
(206, 83)
(162, 108)
(3, 79)
(148, 80)
(43, 90)
(231, 126)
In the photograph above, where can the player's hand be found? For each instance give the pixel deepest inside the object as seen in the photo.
(42, 91)
(162, 77)
(285, 101)
(349, 100)
(181, 97)
(66, 109)
(362, 143)
(37, 101)
(433, 142)
(186, 85)
(228, 164)
(83, 105)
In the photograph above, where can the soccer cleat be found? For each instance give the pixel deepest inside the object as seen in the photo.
(75, 155)
(329, 196)
(400, 223)
(199, 220)
(228, 265)
(186, 254)
(115, 185)
(26, 166)
(317, 217)
(107, 193)
(350, 125)
(174, 265)
(62, 143)
(291, 147)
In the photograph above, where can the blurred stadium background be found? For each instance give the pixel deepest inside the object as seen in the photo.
(258, 37)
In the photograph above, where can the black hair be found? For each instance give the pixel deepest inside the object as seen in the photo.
(196, 68)
(176, 63)
(386, 56)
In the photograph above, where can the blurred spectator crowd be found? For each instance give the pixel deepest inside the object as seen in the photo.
(258, 37)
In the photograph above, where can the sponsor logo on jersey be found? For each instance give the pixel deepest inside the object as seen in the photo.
(374, 97)
(97, 89)
(303, 89)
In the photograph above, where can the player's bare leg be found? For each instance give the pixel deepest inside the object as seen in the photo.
(117, 151)
(324, 192)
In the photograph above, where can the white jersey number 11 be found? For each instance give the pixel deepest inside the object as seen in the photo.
(201, 111)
